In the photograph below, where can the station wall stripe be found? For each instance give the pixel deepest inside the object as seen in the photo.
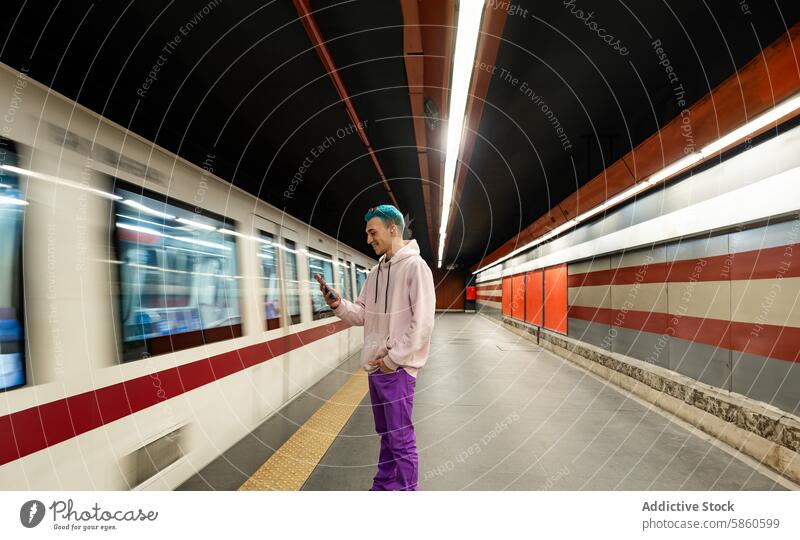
(497, 287)
(768, 263)
(30, 430)
(770, 341)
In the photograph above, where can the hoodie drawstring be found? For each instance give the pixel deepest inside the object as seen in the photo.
(377, 280)
(386, 298)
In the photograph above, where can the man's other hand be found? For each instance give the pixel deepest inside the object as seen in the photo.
(379, 362)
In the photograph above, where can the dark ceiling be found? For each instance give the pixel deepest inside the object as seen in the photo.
(245, 86)
(606, 102)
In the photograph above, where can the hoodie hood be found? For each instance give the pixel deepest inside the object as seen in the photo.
(410, 249)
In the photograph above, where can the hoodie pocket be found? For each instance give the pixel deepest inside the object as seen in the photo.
(378, 335)
(371, 345)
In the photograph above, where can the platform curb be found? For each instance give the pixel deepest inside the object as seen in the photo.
(760, 430)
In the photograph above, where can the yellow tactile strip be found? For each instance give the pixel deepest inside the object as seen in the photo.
(291, 465)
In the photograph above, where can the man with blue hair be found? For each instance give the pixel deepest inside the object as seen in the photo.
(396, 306)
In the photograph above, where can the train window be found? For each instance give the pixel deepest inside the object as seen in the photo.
(291, 280)
(361, 277)
(178, 281)
(12, 205)
(345, 279)
(319, 263)
(268, 255)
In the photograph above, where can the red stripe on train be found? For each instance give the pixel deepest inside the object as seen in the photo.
(30, 430)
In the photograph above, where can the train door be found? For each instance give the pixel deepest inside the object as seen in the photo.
(271, 295)
(346, 287)
(298, 309)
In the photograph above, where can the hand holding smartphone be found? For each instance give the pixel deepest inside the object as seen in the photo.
(326, 290)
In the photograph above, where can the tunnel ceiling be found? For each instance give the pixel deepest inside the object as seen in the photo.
(606, 100)
(245, 88)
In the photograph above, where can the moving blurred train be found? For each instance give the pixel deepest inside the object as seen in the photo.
(151, 314)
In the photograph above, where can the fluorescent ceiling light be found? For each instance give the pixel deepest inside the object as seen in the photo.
(468, 29)
(763, 120)
(613, 201)
(671, 169)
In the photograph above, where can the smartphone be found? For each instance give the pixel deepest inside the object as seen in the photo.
(331, 292)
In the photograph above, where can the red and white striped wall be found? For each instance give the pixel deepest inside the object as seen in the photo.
(723, 309)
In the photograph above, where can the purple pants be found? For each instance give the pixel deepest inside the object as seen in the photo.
(392, 396)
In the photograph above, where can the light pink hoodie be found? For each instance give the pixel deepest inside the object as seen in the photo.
(396, 306)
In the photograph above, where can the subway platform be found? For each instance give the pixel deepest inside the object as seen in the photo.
(492, 411)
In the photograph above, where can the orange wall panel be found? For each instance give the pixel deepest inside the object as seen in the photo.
(449, 288)
(507, 296)
(533, 297)
(518, 297)
(555, 298)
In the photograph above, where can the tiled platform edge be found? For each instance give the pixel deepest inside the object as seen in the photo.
(763, 432)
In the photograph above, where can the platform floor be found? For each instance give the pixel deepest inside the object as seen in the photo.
(493, 411)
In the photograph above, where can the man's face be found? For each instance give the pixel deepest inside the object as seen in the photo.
(378, 236)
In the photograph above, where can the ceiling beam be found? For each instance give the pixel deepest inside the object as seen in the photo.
(427, 50)
(414, 58)
(318, 41)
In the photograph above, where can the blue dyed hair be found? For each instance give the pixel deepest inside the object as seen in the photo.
(388, 214)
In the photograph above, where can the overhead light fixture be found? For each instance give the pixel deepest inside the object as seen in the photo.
(670, 170)
(773, 115)
(467, 31)
(761, 121)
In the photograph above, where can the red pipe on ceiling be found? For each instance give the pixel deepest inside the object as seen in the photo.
(317, 39)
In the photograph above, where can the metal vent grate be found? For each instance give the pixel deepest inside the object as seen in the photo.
(154, 457)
